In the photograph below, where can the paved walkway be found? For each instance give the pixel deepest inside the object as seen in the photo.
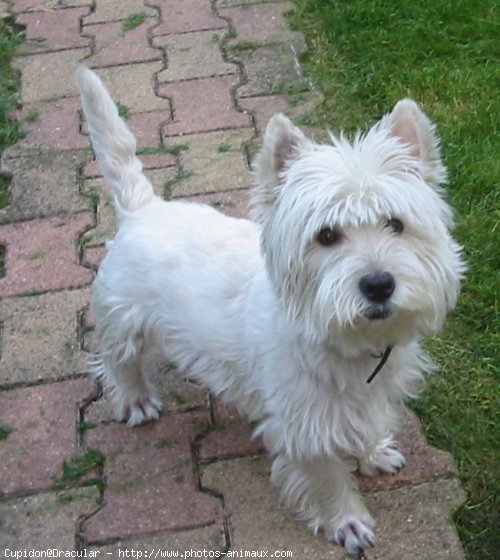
(198, 80)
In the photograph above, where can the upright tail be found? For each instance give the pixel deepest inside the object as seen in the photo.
(113, 144)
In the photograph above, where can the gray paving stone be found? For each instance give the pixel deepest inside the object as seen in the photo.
(40, 337)
(44, 185)
(209, 539)
(213, 162)
(423, 461)
(413, 522)
(162, 178)
(133, 86)
(224, 3)
(271, 69)
(4, 9)
(257, 521)
(260, 23)
(48, 76)
(45, 521)
(295, 105)
(193, 55)
(43, 5)
(109, 10)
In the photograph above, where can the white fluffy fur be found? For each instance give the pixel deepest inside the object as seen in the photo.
(262, 313)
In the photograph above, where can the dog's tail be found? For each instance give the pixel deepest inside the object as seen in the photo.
(113, 144)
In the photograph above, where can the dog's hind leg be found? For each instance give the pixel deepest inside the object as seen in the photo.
(323, 491)
(134, 396)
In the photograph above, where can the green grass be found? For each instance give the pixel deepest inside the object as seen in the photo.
(244, 46)
(10, 39)
(364, 55)
(75, 471)
(133, 21)
(3, 251)
(174, 149)
(10, 131)
(123, 110)
(5, 431)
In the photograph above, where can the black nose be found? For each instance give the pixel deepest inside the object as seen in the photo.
(378, 286)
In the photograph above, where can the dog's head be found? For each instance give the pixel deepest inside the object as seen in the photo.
(356, 235)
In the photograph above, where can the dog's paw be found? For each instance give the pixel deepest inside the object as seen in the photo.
(141, 410)
(385, 459)
(355, 534)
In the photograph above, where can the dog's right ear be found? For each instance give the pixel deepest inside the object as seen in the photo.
(282, 144)
(414, 128)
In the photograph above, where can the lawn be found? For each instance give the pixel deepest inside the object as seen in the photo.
(363, 56)
(10, 131)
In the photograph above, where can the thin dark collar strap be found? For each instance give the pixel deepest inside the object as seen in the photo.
(381, 364)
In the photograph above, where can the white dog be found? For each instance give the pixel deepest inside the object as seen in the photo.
(288, 317)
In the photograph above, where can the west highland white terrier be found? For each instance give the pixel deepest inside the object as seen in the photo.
(348, 264)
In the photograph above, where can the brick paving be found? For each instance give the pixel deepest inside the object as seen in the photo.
(198, 80)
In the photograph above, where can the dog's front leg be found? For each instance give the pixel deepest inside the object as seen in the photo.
(324, 493)
(382, 457)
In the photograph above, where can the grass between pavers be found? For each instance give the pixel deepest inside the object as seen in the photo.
(133, 21)
(364, 55)
(75, 471)
(10, 130)
(5, 431)
(10, 38)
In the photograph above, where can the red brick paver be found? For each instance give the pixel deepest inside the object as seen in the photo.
(53, 30)
(151, 483)
(51, 126)
(114, 45)
(42, 420)
(185, 16)
(203, 105)
(42, 255)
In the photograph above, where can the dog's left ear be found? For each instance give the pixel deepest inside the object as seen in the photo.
(283, 143)
(414, 128)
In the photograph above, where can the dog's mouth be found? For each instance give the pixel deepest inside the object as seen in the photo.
(379, 312)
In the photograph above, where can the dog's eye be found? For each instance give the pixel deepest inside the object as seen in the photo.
(395, 224)
(328, 236)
